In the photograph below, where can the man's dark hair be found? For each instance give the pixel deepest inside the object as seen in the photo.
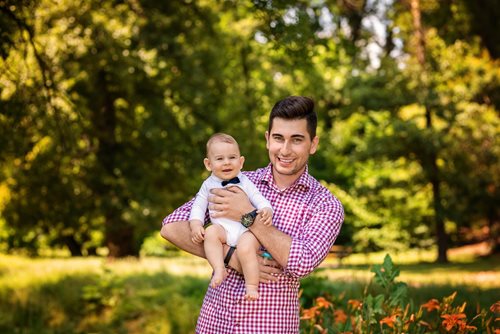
(295, 107)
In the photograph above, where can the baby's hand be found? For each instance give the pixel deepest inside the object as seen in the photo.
(197, 234)
(267, 216)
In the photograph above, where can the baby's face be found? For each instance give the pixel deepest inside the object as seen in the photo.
(224, 160)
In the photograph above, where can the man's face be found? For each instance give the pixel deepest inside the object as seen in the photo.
(224, 160)
(289, 146)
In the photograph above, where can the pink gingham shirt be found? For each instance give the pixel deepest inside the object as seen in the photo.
(312, 217)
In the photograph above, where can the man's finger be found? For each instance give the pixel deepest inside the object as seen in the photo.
(267, 278)
(269, 263)
(214, 199)
(219, 192)
(234, 189)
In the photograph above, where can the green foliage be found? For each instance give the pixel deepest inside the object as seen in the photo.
(385, 275)
(392, 311)
(105, 108)
(155, 245)
(83, 297)
(106, 292)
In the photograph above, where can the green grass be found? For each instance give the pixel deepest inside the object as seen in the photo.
(153, 295)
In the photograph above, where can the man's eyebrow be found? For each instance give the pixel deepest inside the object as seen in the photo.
(293, 136)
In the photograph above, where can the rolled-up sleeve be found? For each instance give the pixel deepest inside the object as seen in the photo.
(319, 233)
(180, 214)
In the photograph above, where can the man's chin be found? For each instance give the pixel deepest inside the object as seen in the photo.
(285, 170)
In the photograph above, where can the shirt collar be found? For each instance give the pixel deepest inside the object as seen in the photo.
(304, 180)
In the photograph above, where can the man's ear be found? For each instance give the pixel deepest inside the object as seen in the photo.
(208, 166)
(267, 139)
(314, 145)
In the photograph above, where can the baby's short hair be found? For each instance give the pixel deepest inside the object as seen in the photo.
(222, 138)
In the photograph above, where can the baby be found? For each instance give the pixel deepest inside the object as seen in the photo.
(225, 162)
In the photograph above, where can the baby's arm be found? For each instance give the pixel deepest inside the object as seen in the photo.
(197, 215)
(197, 231)
(267, 216)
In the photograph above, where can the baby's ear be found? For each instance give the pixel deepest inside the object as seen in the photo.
(208, 166)
(242, 161)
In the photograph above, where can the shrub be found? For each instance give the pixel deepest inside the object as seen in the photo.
(391, 311)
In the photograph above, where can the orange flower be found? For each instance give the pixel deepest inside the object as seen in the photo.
(463, 326)
(322, 302)
(339, 316)
(389, 321)
(495, 308)
(309, 313)
(497, 331)
(432, 304)
(452, 320)
(355, 304)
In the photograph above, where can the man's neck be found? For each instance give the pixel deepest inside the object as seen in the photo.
(284, 181)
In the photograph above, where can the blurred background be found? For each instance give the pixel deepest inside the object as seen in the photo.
(105, 108)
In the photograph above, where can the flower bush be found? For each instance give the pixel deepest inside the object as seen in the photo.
(391, 311)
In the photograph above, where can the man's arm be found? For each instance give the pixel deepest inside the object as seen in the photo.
(300, 255)
(232, 203)
(276, 242)
(176, 230)
(179, 234)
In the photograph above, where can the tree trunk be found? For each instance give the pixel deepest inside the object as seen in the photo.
(494, 231)
(430, 162)
(74, 247)
(119, 235)
(418, 31)
(441, 236)
(119, 238)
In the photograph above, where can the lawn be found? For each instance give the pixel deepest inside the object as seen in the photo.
(163, 295)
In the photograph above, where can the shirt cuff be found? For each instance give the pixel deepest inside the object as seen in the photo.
(300, 260)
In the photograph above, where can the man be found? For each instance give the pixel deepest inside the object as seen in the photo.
(307, 219)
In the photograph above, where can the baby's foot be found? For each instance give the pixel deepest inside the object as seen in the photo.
(218, 277)
(252, 292)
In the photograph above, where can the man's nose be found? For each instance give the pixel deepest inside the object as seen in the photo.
(285, 148)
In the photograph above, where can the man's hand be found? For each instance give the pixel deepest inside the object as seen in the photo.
(230, 202)
(266, 216)
(269, 269)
